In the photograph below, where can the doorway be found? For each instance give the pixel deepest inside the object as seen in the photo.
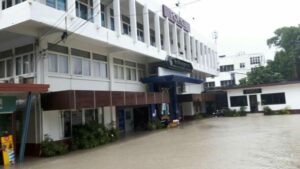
(253, 103)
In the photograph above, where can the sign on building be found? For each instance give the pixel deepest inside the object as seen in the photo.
(7, 104)
(176, 19)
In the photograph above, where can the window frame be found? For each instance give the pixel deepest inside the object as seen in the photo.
(272, 98)
(244, 102)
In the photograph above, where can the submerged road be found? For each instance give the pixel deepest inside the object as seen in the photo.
(252, 142)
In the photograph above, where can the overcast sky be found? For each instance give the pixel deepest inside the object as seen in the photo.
(242, 25)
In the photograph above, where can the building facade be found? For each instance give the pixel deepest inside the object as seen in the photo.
(254, 98)
(233, 68)
(117, 62)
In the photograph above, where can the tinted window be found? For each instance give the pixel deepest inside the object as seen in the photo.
(238, 101)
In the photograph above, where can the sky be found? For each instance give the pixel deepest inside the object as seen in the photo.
(242, 25)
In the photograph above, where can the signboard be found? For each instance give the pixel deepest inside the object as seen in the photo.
(8, 153)
(252, 91)
(176, 19)
(178, 64)
(7, 104)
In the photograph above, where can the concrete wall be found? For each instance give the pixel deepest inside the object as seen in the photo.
(188, 109)
(291, 91)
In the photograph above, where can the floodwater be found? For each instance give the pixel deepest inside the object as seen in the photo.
(253, 142)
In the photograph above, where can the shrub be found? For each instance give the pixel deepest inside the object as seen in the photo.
(268, 111)
(284, 111)
(50, 148)
(243, 111)
(92, 135)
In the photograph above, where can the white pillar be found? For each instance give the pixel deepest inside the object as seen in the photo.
(198, 51)
(133, 23)
(194, 48)
(188, 47)
(117, 16)
(146, 25)
(175, 40)
(182, 44)
(97, 13)
(1, 6)
(71, 8)
(107, 15)
(167, 37)
(157, 32)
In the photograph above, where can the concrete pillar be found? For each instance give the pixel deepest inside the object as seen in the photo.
(117, 16)
(181, 40)
(188, 47)
(133, 23)
(198, 51)
(97, 13)
(70, 6)
(194, 49)
(146, 25)
(0, 7)
(167, 37)
(157, 31)
(107, 15)
(175, 40)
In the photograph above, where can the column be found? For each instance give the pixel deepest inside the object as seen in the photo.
(198, 51)
(157, 31)
(194, 48)
(1, 6)
(181, 39)
(133, 23)
(167, 36)
(117, 16)
(97, 12)
(107, 15)
(175, 40)
(70, 5)
(188, 46)
(146, 25)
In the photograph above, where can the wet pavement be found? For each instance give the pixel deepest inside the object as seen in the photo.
(253, 142)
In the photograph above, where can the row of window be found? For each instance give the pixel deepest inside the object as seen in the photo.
(84, 63)
(226, 68)
(210, 85)
(225, 83)
(266, 99)
(255, 60)
(24, 60)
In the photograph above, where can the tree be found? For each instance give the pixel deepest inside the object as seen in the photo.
(286, 64)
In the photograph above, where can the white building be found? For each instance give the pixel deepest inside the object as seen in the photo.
(277, 96)
(233, 68)
(95, 54)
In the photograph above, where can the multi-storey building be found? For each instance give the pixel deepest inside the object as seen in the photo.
(234, 68)
(117, 62)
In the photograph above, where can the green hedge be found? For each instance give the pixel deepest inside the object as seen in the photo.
(235, 113)
(268, 111)
(51, 148)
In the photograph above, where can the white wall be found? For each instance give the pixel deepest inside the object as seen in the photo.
(188, 109)
(291, 91)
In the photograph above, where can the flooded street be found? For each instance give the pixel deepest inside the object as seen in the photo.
(253, 142)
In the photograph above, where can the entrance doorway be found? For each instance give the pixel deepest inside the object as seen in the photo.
(253, 103)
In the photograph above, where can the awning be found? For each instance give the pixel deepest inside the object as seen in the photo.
(170, 79)
(20, 88)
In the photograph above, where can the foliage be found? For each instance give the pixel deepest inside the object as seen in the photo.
(284, 111)
(287, 58)
(268, 111)
(156, 124)
(199, 116)
(92, 135)
(51, 148)
(235, 113)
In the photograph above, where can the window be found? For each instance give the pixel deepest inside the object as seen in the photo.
(84, 9)
(112, 20)
(225, 83)
(210, 84)
(255, 60)
(58, 4)
(6, 68)
(100, 66)
(152, 37)
(130, 70)
(274, 98)
(2, 69)
(126, 28)
(140, 35)
(58, 63)
(141, 71)
(242, 65)
(67, 124)
(103, 16)
(238, 101)
(24, 59)
(253, 69)
(76, 118)
(81, 62)
(91, 116)
(118, 69)
(227, 68)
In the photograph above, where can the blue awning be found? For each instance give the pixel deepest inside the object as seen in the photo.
(170, 79)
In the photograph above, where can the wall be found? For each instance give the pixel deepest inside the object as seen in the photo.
(291, 91)
(188, 109)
